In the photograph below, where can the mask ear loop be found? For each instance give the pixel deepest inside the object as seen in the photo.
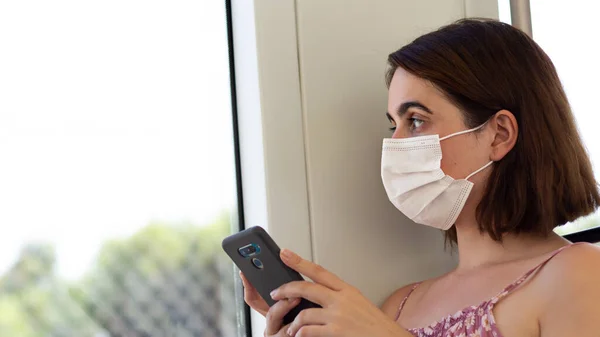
(467, 131)
(463, 132)
(481, 169)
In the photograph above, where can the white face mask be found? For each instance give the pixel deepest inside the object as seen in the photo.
(417, 186)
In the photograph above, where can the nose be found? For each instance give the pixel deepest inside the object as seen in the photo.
(398, 133)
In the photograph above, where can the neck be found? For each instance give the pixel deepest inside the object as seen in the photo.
(477, 249)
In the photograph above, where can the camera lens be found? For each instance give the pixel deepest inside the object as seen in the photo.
(243, 251)
(257, 263)
(249, 250)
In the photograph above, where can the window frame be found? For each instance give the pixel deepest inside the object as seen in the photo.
(591, 235)
(272, 144)
(246, 323)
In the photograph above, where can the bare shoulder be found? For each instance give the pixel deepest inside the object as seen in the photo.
(580, 261)
(570, 282)
(392, 303)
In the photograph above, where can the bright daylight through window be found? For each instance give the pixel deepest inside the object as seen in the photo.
(117, 180)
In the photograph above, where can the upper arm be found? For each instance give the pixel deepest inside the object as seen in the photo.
(392, 303)
(573, 294)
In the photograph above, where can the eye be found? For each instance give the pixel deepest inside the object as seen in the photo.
(415, 123)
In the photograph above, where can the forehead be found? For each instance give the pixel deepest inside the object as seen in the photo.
(406, 87)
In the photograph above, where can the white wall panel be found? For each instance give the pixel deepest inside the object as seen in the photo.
(356, 232)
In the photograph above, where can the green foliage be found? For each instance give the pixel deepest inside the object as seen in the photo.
(132, 289)
(33, 302)
(13, 322)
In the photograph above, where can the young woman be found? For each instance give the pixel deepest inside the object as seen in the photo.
(485, 147)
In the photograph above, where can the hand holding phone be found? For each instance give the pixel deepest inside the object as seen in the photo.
(252, 297)
(256, 254)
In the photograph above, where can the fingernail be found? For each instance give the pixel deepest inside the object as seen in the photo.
(289, 331)
(288, 254)
(295, 301)
(273, 293)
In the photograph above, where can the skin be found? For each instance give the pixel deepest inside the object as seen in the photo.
(561, 299)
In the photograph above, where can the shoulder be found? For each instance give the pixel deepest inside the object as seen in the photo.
(569, 283)
(392, 303)
(573, 269)
(573, 264)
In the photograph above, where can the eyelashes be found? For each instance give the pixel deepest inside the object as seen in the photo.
(413, 122)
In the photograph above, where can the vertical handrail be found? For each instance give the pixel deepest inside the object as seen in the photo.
(520, 13)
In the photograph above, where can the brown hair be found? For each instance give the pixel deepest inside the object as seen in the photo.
(484, 66)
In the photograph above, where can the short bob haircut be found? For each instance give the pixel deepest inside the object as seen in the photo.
(484, 66)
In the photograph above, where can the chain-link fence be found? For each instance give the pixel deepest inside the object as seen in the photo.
(140, 287)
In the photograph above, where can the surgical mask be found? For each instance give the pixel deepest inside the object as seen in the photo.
(417, 186)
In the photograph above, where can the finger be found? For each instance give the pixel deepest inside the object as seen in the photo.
(313, 316)
(313, 292)
(247, 284)
(249, 289)
(313, 331)
(253, 298)
(312, 270)
(281, 332)
(276, 313)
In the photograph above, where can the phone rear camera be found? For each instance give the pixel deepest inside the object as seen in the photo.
(249, 250)
(257, 263)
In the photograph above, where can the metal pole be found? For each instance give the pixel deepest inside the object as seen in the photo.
(520, 13)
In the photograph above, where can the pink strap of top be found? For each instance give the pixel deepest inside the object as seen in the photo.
(507, 290)
(405, 299)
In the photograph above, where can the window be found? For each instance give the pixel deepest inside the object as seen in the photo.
(118, 176)
(576, 63)
(566, 31)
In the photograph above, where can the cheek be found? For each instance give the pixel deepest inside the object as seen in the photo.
(458, 159)
(450, 165)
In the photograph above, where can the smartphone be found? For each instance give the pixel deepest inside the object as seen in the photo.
(256, 254)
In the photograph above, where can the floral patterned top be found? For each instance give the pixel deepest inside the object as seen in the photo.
(473, 321)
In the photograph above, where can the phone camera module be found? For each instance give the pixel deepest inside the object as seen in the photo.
(257, 263)
(249, 250)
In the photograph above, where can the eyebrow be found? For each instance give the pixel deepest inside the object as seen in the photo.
(403, 108)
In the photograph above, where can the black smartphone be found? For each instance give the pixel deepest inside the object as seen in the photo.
(256, 254)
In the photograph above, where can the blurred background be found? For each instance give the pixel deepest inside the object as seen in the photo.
(117, 176)
(117, 162)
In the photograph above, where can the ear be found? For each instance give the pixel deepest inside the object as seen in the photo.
(505, 127)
